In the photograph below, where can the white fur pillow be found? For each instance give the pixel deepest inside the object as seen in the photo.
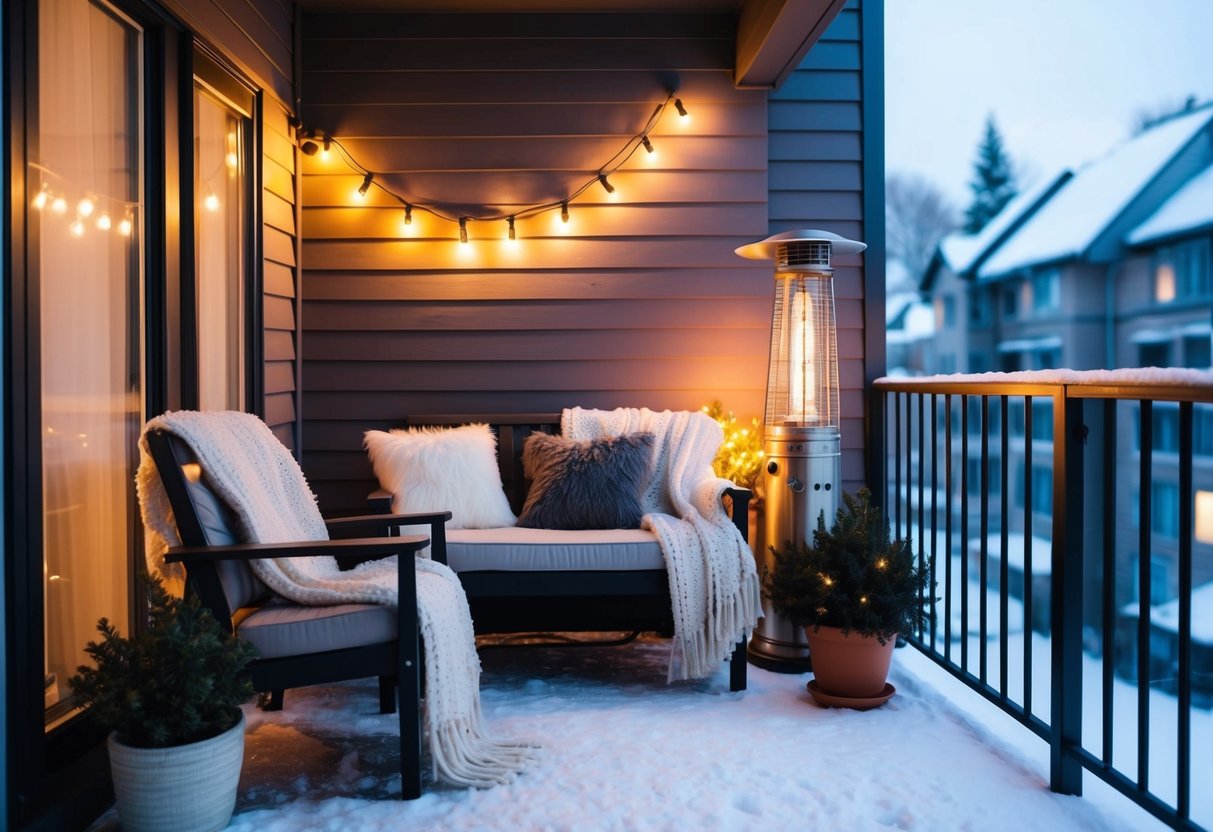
(442, 469)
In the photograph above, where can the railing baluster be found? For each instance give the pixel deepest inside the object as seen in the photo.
(983, 543)
(922, 453)
(964, 533)
(1028, 575)
(934, 510)
(897, 464)
(1004, 586)
(948, 504)
(1144, 517)
(1183, 747)
(1109, 577)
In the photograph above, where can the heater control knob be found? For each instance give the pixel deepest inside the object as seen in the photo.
(795, 484)
(772, 467)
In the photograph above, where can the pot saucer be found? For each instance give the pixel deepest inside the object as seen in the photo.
(858, 703)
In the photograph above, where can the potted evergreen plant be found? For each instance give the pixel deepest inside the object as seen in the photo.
(170, 697)
(854, 590)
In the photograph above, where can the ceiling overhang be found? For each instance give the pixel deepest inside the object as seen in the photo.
(773, 37)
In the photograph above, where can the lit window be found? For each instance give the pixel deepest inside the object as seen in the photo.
(1204, 516)
(1164, 283)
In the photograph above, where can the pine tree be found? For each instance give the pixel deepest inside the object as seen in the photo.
(993, 183)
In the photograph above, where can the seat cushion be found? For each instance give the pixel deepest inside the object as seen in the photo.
(515, 549)
(285, 629)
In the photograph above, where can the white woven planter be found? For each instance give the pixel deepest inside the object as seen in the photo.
(185, 788)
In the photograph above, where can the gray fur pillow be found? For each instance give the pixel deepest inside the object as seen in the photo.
(586, 484)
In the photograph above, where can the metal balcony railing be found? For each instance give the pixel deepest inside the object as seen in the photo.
(1066, 522)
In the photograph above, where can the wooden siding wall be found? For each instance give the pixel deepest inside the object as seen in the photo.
(816, 173)
(640, 302)
(257, 37)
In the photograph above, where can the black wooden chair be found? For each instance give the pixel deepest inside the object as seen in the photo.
(303, 645)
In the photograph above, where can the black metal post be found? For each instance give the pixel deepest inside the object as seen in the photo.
(1065, 767)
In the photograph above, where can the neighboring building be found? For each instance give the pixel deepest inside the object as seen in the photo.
(909, 331)
(1105, 268)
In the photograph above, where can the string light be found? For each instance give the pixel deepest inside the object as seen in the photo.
(41, 198)
(511, 227)
(211, 202)
(682, 111)
(59, 205)
(124, 227)
(85, 207)
(641, 139)
(324, 149)
(366, 183)
(104, 222)
(76, 228)
(463, 229)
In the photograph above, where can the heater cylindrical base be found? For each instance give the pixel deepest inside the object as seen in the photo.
(778, 645)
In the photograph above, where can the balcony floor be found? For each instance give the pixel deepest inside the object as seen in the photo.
(623, 750)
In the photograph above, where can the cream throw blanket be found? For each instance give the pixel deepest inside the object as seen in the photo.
(714, 587)
(255, 474)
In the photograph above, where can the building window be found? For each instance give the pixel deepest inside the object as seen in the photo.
(1010, 302)
(1204, 516)
(1047, 359)
(1202, 430)
(946, 362)
(90, 284)
(1198, 351)
(1010, 362)
(979, 361)
(1181, 272)
(979, 307)
(1046, 291)
(1164, 509)
(945, 311)
(1154, 354)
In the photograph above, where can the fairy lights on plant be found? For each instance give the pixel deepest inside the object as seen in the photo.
(308, 146)
(741, 455)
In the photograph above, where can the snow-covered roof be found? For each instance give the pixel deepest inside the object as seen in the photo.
(907, 318)
(1074, 217)
(1045, 342)
(1191, 208)
(1042, 551)
(959, 250)
(1166, 616)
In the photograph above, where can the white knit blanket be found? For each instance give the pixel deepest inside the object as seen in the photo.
(714, 586)
(253, 472)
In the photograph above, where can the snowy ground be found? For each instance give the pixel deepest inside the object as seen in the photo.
(625, 751)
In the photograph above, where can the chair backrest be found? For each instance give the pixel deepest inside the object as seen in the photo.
(203, 519)
(512, 431)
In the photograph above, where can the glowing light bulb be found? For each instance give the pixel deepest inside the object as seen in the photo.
(40, 199)
(211, 202)
(85, 207)
(233, 161)
(77, 228)
(104, 222)
(59, 205)
(125, 227)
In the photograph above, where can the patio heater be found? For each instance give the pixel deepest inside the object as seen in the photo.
(800, 425)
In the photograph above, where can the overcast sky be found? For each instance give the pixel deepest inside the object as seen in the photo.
(1063, 78)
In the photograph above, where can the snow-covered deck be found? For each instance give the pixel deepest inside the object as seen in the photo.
(625, 751)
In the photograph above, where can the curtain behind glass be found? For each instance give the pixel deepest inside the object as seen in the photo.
(219, 251)
(87, 181)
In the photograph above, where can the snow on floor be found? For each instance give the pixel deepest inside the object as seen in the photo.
(625, 751)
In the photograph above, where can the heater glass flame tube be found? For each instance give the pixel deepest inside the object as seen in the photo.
(802, 386)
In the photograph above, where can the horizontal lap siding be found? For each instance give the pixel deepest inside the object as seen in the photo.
(257, 36)
(816, 141)
(637, 301)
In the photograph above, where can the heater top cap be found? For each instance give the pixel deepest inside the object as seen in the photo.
(768, 248)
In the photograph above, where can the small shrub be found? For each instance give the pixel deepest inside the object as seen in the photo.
(180, 681)
(853, 576)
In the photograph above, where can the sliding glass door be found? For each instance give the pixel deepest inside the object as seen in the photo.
(86, 224)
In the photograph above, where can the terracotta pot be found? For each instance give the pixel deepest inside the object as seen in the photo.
(852, 666)
(185, 788)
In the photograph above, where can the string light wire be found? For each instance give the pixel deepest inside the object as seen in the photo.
(621, 157)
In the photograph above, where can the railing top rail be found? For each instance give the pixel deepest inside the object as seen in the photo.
(1170, 384)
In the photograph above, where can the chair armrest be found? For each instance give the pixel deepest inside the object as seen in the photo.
(385, 521)
(379, 501)
(741, 509)
(359, 546)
